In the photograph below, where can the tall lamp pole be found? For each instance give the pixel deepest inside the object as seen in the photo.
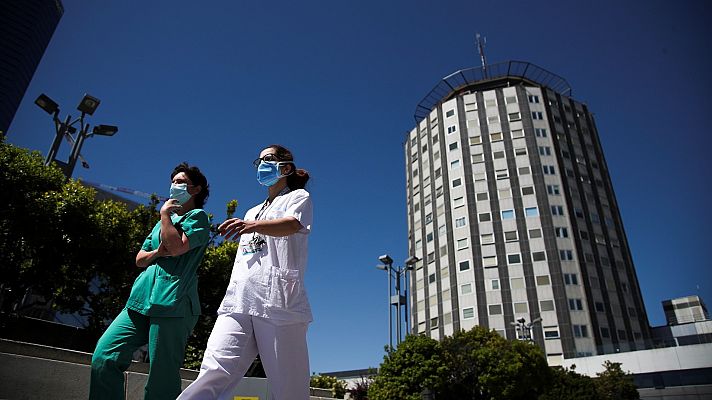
(396, 299)
(66, 129)
(524, 329)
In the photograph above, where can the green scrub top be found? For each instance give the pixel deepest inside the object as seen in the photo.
(169, 286)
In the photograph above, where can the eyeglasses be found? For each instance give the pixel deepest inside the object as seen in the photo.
(266, 158)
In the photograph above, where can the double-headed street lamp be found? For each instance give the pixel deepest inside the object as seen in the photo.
(66, 129)
(397, 299)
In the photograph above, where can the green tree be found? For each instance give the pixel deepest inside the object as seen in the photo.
(484, 365)
(567, 384)
(57, 242)
(614, 383)
(337, 386)
(407, 371)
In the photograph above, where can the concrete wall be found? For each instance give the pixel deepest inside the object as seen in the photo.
(29, 372)
(645, 361)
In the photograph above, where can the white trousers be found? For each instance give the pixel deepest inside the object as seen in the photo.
(234, 343)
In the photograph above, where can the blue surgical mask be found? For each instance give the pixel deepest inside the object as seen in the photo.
(179, 191)
(268, 172)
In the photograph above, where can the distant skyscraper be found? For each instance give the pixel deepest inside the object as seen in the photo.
(26, 26)
(512, 211)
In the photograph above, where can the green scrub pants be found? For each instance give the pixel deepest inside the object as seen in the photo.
(166, 338)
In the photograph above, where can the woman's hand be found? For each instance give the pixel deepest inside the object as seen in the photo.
(170, 206)
(162, 251)
(234, 227)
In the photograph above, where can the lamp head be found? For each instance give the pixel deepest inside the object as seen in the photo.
(382, 267)
(412, 260)
(105, 130)
(88, 104)
(386, 259)
(47, 104)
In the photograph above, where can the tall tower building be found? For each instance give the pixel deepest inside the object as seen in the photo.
(512, 211)
(26, 26)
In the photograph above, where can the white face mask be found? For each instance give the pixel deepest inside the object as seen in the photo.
(179, 191)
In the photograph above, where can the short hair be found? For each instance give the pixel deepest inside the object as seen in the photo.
(197, 178)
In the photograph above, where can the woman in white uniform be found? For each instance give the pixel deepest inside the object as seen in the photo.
(265, 310)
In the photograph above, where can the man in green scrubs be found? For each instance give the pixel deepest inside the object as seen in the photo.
(163, 306)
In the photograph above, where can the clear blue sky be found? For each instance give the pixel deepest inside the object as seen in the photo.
(211, 83)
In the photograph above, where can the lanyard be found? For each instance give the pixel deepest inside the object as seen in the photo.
(257, 241)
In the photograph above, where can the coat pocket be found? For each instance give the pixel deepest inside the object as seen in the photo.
(285, 289)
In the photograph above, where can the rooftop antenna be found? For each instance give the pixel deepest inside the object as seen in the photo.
(481, 48)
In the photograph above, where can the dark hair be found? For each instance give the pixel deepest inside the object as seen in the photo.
(299, 177)
(197, 178)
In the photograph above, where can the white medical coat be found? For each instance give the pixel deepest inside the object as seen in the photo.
(270, 282)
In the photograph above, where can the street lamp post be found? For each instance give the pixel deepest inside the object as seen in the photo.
(66, 129)
(524, 329)
(396, 299)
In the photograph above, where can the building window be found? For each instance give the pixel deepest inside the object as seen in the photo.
(510, 99)
(546, 305)
(534, 233)
(521, 308)
(460, 222)
(537, 115)
(551, 332)
(516, 283)
(482, 196)
(491, 103)
(451, 129)
(484, 217)
(455, 164)
(449, 113)
(557, 210)
(504, 193)
(490, 261)
(507, 214)
(511, 236)
(553, 190)
(442, 230)
(458, 202)
(549, 170)
(571, 279)
(480, 176)
(464, 265)
(515, 116)
(431, 278)
(533, 98)
(452, 146)
(498, 155)
(561, 232)
(524, 170)
(605, 332)
(540, 132)
(539, 256)
(475, 140)
(487, 238)
(502, 173)
(516, 133)
(428, 218)
(575, 305)
(543, 280)
(456, 182)
(514, 259)
(531, 212)
(527, 190)
(434, 323)
(495, 309)
(494, 284)
(566, 255)
(544, 150)
(478, 158)
(580, 331)
(468, 313)
(466, 288)
(495, 136)
(461, 244)
(493, 119)
(429, 237)
(520, 151)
